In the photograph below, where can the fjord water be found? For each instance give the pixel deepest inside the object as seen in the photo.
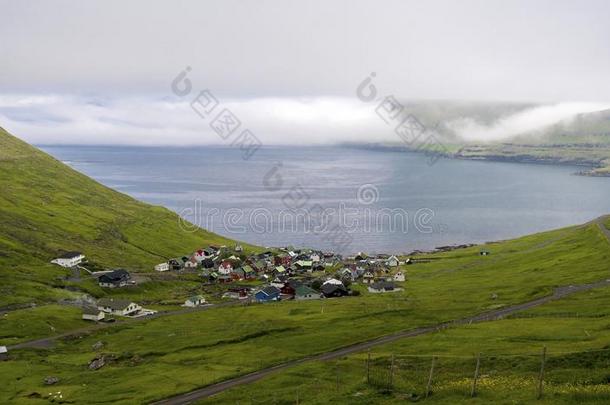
(449, 202)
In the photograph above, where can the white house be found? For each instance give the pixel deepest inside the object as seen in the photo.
(400, 276)
(194, 301)
(368, 278)
(162, 267)
(118, 307)
(225, 267)
(191, 263)
(93, 314)
(333, 281)
(392, 261)
(3, 353)
(69, 259)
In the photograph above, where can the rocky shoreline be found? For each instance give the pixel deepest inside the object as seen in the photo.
(592, 167)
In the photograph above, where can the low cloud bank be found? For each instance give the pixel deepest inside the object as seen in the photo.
(531, 121)
(61, 119)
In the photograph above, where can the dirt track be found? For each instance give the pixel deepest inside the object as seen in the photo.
(48, 342)
(558, 293)
(486, 316)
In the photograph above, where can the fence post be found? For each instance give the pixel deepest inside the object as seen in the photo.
(473, 392)
(429, 385)
(541, 375)
(392, 373)
(368, 368)
(337, 370)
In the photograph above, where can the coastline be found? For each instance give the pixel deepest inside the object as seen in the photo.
(595, 160)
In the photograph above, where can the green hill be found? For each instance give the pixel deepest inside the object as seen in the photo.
(46, 208)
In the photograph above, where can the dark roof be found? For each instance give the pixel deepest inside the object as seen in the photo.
(294, 283)
(89, 310)
(304, 290)
(383, 285)
(69, 255)
(115, 276)
(271, 290)
(115, 304)
(329, 288)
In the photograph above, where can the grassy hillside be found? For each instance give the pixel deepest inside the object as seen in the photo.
(160, 357)
(575, 332)
(47, 207)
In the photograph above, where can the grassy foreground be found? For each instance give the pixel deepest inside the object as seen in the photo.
(157, 358)
(575, 331)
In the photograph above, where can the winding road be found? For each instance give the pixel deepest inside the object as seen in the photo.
(213, 389)
(47, 342)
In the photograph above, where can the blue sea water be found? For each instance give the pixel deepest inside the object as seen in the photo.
(373, 200)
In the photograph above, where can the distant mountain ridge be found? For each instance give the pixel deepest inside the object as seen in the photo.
(583, 139)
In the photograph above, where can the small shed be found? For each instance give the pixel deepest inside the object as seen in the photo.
(195, 301)
(3, 353)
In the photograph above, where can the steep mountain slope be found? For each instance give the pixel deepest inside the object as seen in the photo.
(46, 207)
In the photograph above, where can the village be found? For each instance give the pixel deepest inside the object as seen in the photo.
(271, 276)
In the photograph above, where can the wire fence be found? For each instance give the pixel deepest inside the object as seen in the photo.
(574, 375)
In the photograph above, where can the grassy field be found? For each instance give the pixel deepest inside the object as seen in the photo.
(575, 331)
(196, 349)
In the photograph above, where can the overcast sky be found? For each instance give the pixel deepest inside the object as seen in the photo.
(100, 71)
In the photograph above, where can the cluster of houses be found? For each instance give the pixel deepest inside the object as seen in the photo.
(107, 279)
(290, 273)
(282, 274)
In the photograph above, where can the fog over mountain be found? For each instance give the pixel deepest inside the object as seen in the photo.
(323, 120)
(289, 70)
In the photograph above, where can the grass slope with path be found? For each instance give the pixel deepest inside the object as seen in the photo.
(575, 331)
(159, 358)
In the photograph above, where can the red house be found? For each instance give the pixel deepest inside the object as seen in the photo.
(287, 292)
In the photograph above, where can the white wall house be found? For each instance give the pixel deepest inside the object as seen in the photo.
(392, 261)
(162, 267)
(194, 301)
(3, 353)
(191, 263)
(400, 276)
(69, 259)
(225, 267)
(118, 307)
